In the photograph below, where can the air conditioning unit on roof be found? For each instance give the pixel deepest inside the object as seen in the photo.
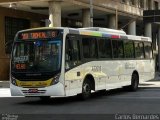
(109, 31)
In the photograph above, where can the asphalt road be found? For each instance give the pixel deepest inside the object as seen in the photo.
(112, 103)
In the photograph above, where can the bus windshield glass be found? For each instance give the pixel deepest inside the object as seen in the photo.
(40, 55)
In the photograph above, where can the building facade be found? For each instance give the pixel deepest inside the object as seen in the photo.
(116, 14)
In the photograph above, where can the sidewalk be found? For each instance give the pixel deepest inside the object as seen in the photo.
(157, 76)
(152, 83)
(4, 84)
(4, 89)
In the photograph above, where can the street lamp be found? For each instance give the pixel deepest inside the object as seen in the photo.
(91, 13)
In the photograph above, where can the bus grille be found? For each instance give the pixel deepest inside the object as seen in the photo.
(34, 91)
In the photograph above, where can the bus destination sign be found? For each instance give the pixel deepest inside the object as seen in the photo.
(38, 35)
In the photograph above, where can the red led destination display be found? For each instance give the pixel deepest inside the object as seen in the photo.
(38, 35)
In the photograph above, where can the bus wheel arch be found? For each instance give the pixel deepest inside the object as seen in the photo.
(134, 81)
(91, 79)
(87, 85)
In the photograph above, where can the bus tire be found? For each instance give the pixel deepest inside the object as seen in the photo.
(86, 90)
(134, 82)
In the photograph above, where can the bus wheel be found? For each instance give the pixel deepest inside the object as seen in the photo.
(134, 82)
(86, 90)
(45, 98)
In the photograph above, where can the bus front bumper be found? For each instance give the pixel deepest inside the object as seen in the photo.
(54, 90)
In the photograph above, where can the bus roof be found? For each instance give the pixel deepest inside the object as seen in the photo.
(110, 33)
(97, 31)
(42, 28)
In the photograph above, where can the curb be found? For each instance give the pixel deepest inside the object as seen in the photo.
(4, 84)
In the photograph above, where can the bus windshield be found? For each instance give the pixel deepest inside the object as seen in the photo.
(37, 56)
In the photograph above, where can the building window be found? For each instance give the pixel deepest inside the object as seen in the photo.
(149, 4)
(141, 4)
(156, 5)
(132, 2)
(123, 1)
(12, 26)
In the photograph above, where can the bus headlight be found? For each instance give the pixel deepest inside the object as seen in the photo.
(13, 81)
(55, 79)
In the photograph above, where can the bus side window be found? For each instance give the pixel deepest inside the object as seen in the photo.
(148, 50)
(105, 50)
(89, 47)
(139, 50)
(129, 49)
(118, 49)
(72, 54)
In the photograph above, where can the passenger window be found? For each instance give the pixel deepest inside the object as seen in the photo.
(129, 49)
(89, 47)
(72, 55)
(104, 46)
(118, 51)
(148, 50)
(139, 50)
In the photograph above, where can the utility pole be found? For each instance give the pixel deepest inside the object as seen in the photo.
(158, 50)
(91, 13)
